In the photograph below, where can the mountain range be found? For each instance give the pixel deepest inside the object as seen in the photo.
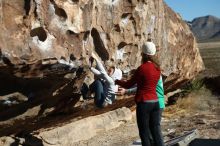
(206, 28)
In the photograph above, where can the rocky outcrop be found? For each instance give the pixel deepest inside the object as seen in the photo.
(82, 130)
(45, 47)
(178, 63)
(206, 28)
(75, 131)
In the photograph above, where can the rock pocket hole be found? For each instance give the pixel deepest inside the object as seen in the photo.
(125, 15)
(35, 12)
(117, 28)
(86, 35)
(130, 1)
(99, 45)
(59, 11)
(27, 6)
(72, 57)
(73, 36)
(121, 45)
(40, 33)
(75, 1)
(70, 32)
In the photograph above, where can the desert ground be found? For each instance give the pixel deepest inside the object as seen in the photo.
(210, 52)
(200, 109)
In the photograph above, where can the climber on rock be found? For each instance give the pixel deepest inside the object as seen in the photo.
(103, 87)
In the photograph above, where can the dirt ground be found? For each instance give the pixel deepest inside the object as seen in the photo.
(206, 45)
(200, 110)
(210, 53)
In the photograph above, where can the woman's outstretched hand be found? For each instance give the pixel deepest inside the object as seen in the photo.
(121, 91)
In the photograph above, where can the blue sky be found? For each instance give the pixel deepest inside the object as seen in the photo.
(190, 9)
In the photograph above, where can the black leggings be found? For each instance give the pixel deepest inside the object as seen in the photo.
(148, 119)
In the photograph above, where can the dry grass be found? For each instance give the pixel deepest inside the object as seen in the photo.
(205, 45)
(210, 52)
(200, 101)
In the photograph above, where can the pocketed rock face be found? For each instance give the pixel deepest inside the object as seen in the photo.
(37, 29)
(181, 61)
(67, 31)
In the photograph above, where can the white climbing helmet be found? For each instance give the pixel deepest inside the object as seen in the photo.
(149, 48)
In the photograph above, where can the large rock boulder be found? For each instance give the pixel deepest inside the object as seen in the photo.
(45, 47)
(35, 29)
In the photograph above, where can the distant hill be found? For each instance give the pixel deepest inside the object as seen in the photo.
(206, 28)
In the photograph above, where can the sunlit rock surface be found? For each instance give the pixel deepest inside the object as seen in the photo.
(45, 47)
